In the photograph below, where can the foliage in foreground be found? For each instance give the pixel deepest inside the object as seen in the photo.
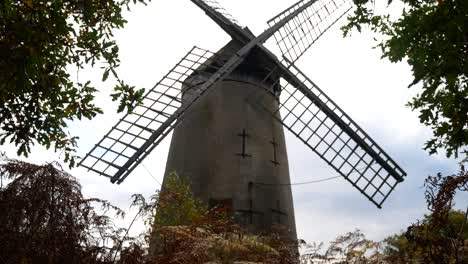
(40, 43)
(185, 230)
(431, 36)
(439, 238)
(46, 219)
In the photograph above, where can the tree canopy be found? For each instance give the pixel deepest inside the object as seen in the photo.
(432, 37)
(40, 42)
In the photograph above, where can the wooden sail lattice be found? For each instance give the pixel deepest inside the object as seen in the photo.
(221, 10)
(298, 35)
(344, 145)
(134, 136)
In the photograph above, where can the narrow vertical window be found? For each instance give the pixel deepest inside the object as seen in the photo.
(244, 137)
(275, 149)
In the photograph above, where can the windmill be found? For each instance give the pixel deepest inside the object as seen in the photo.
(227, 111)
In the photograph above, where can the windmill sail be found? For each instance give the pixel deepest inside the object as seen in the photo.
(318, 122)
(306, 111)
(137, 133)
(224, 19)
(296, 37)
(215, 6)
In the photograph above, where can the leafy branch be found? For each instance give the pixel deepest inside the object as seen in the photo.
(39, 41)
(431, 36)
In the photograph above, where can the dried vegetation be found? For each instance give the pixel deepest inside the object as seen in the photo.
(45, 219)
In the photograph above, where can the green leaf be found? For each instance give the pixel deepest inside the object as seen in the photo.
(105, 75)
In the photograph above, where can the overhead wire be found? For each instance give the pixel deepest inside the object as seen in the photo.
(142, 163)
(302, 183)
(297, 183)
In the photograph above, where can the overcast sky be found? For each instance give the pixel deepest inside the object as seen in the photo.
(372, 91)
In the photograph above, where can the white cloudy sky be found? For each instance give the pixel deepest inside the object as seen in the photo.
(372, 91)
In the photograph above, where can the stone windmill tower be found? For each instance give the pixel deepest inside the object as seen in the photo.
(227, 111)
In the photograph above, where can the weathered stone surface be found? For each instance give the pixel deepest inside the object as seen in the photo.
(226, 145)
